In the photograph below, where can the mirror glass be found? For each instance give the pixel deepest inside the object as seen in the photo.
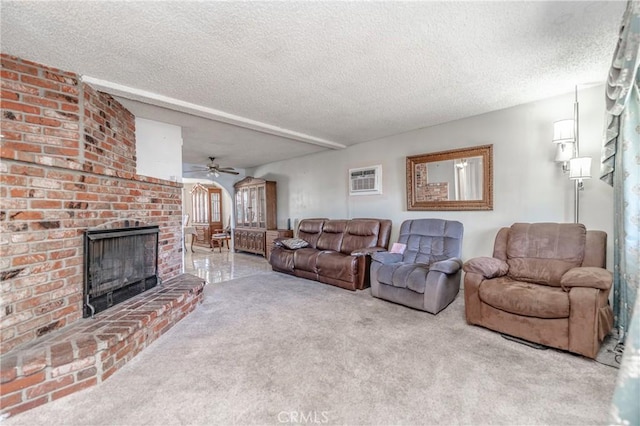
(451, 180)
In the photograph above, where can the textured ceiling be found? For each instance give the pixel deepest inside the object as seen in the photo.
(300, 76)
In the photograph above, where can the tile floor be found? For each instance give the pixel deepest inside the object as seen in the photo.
(215, 267)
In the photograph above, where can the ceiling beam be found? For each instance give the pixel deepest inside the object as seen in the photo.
(205, 112)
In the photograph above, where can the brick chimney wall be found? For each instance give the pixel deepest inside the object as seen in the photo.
(67, 163)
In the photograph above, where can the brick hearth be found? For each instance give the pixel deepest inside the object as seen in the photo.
(91, 350)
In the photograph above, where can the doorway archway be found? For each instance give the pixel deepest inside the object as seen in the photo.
(209, 207)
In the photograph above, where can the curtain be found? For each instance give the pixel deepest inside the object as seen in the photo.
(621, 164)
(625, 409)
(620, 168)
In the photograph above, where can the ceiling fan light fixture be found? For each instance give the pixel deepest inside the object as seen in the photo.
(213, 169)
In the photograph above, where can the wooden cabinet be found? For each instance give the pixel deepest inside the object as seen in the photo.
(255, 210)
(248, 240)
(270, 237)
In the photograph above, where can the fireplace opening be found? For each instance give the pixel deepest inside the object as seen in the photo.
(119, 264)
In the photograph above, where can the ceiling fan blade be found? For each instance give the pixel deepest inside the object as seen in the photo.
(214, 168)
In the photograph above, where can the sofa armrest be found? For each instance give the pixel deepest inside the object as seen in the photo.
(386, 257)
(488, 267)
(367, 251)
(587, 276)
(449, 266)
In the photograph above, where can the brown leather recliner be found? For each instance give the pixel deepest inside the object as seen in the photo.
(545, 283)
(338, 251)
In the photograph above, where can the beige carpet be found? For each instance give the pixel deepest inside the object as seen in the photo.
(274, 349)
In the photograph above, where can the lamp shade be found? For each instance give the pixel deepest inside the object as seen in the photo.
(564, 152)
(564, 131)
(580, 168)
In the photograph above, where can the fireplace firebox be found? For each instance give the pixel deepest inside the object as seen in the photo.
(119, 264)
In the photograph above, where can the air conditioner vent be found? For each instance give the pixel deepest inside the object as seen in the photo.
(365, 180)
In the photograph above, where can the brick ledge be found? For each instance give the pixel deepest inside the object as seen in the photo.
(91, 350)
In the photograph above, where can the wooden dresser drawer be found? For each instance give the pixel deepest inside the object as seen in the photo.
(272, 234)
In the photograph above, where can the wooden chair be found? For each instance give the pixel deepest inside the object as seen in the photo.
(218, 239)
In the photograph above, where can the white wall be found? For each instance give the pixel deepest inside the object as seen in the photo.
(158, 149)
(528, 185)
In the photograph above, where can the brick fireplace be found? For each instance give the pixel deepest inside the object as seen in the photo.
(68, 163)
(120, 262)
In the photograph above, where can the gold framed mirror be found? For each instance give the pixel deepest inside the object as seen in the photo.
(460, 179)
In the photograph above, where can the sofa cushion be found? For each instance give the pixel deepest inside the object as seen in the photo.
(543, 252)
(281, 259)
(310, 230)
(412, 276)
(523, 298)
(305, 259)
(337, 265)
(331, 237)
(293, 243)
(424, 249)
(360, 233)
(430, 240)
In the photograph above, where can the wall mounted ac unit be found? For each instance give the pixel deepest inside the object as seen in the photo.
(365, 180)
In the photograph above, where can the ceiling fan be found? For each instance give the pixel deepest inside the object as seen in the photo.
(214, 169)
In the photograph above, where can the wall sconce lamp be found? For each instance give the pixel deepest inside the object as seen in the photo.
(564, 131)
(565, 135)
(564, 153)
(580, 168)
(564, 138)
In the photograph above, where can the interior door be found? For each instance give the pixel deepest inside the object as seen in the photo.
(215, 220)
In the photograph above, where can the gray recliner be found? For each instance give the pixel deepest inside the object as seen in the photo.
(426, 275)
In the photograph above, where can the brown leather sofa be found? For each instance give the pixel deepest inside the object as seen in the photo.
(545, 283)
(338, 252)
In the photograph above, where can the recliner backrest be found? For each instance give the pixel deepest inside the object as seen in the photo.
(543, 252)
(332, 233)
(360, 233)
(595, 250)
(310, 230)
(431, 240)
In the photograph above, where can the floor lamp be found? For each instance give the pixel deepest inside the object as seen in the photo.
(566, 136)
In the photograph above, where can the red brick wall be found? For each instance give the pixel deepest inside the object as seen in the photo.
(68, 162)
(109, 135)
